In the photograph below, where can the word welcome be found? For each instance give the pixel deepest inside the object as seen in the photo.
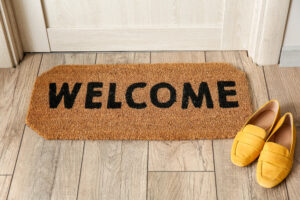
(94, 90)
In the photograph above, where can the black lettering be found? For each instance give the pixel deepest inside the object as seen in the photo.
(69, 99)
(129, 98)
(112, 97)
(196, 100)
(224, 93)
(91, 93)
(154, 99)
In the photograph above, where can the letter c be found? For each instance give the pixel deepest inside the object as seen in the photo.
(129, 98)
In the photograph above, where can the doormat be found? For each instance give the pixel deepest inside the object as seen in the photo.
(180, 101)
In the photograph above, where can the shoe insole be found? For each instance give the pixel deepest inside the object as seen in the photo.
(283, 136)
(264, 120)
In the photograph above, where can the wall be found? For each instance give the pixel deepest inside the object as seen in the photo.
(290, 55)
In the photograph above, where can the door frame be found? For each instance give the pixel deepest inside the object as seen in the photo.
(11, 51)
(264, 43)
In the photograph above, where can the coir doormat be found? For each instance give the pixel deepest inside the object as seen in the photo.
(179, 101)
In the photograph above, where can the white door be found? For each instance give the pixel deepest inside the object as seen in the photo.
(134, 25)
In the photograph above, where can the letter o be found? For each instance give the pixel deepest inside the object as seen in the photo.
(154, 99)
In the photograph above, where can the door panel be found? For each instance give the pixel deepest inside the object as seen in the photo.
(134, 25)
(117, 25)
(100, 25)
(103, 13)
(30, 20)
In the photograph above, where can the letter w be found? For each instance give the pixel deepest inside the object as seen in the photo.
(69, 99)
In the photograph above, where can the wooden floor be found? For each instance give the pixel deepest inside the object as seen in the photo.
(33, 168)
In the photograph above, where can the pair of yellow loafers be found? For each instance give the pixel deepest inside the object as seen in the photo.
(271, 139)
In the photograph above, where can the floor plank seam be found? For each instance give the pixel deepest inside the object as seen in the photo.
(181, 171)
(212, 146)
(20, 145)
(14, 92)
(287, 191)
(38, 71)
(268, 93)
(269, 97)
(83, 149)
(96, 58)
(147, 185)
(147, 171)
(12, 177)
(213, 153)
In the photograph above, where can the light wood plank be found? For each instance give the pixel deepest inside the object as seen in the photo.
(293, 180)
(181, 185)
(123, 57)
(46, 169)
(134, 39)
(234, 182)
(177, 56)
(180, 155)
(4, 186)
(283, 84)
(8, 80)
(115, 169)
(49, 169)
(17, 100)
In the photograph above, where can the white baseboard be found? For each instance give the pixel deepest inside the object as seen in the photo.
(134, 39)
(290, 56)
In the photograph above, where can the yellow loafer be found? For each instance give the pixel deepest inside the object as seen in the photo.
(250, 140)
(276, 159)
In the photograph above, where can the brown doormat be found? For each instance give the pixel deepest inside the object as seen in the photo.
(181, 101)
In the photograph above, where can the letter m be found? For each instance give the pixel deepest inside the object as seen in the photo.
(196, 100)
(69, 98)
